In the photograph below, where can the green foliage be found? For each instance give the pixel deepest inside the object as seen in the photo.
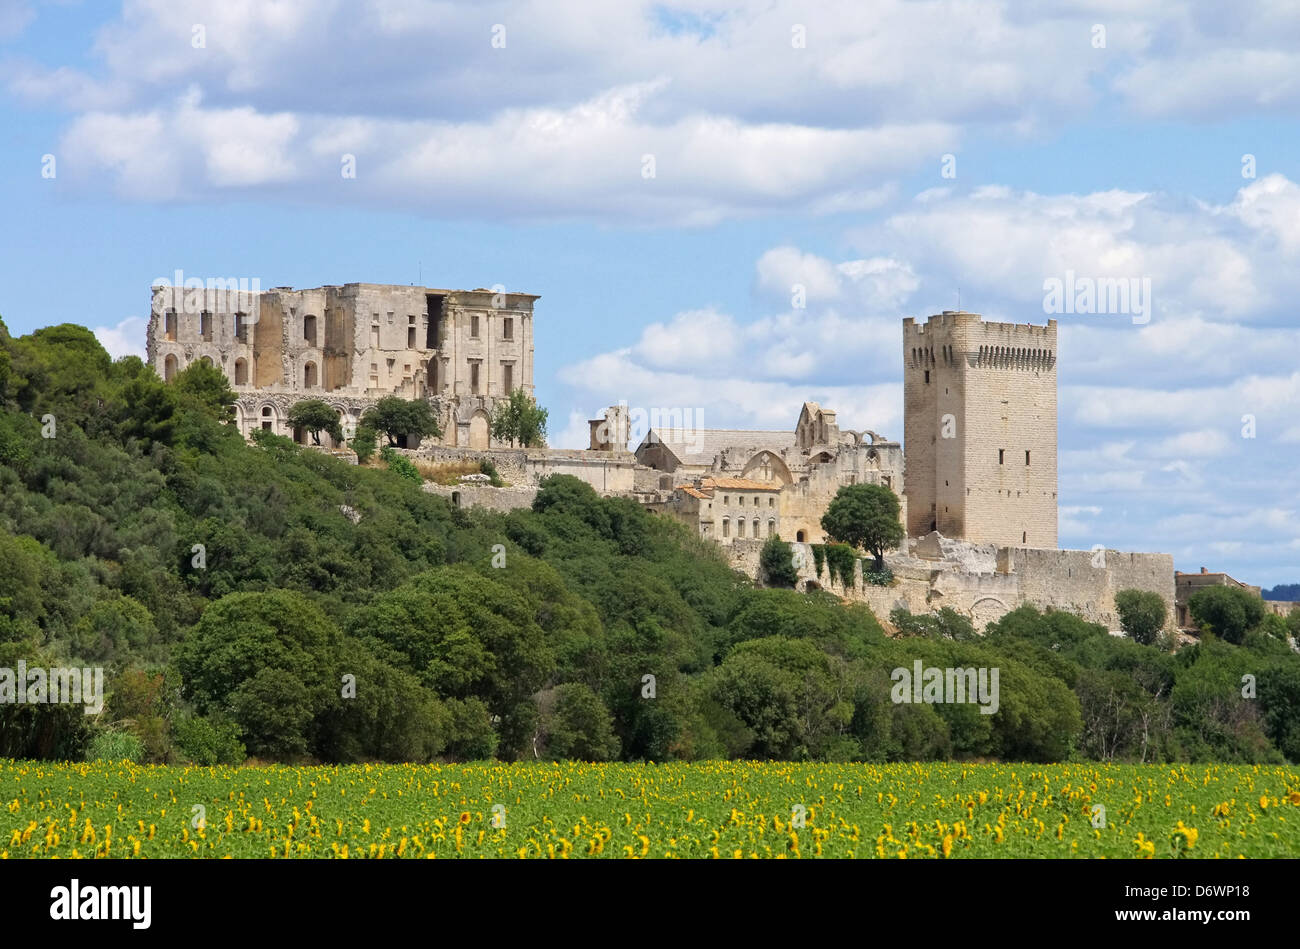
(777, 561)
(115, 746)
(390, 634)
(840, 559)
(396, 418)
(207, 387)
(580, 726)
(866, 517)
(879, 578)
(486, 467)
(315, 416)
(1228, 612)
(519, 420)
(1141, 614)
(819, 558)
(401, 466)
(207, 742)
(947, 623)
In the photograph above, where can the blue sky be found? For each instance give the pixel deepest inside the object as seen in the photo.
(793, 144)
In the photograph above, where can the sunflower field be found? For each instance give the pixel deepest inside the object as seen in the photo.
(718, 810)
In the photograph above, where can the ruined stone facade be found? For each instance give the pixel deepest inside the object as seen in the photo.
(727, 484)
(979, 406)
(351, 345)
(984, 582)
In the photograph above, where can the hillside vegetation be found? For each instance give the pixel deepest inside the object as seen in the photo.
(272, 601)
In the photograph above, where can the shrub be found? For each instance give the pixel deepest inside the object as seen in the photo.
(486, 467)
(777, 561)
(208, 743)
(400, 465)
(1228, 612)
(1141, 614)
(115, 746)
(880, 578)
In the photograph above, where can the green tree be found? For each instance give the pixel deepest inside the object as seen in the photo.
(1228, 612)
(579, 726)
(270, 660)
(865, 516)
(777, 561)
(315, 416)
(209, 388)
(519, 420)
(397, 417)
(1141, 614)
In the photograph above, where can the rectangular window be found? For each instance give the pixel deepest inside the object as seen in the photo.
(927, 375)
(771, 502)
(205, 325)
(410, 337)
(508, 327)
(740, 527)
(241, 329)
(508, 377)
(726, 527)
(473, 326)
(726, 499)
(169, 325)
(1026, 457)
(741, 500)
(473, 377)
(1001, 455)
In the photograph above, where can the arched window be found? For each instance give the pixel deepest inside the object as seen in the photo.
(206, 360)
(771, 527)
(740, 527)
(241, 372)
(757, 528)
(309, 375)
(726, 527)
(169, 368)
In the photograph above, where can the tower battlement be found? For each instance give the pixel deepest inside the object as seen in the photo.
(980, 429)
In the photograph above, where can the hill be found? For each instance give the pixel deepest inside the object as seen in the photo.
(273, 601)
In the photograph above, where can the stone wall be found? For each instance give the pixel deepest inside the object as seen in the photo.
(608, 472)
(484, 495)
(1068, 580)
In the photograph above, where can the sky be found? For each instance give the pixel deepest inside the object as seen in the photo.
(725, 207)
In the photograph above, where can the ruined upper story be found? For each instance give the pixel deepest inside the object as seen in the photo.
(358, 339)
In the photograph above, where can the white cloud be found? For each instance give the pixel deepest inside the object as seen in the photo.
(124, 339)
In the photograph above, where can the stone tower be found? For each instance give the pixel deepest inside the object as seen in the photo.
(979, 407)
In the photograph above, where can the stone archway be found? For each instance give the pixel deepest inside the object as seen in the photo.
(987, 609)
(478, 430)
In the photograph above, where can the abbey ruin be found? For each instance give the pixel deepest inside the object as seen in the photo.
(350, 345)
(975, 475)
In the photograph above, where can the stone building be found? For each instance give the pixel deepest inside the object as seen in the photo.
(351, 345)
(728, 483)
(1185, 584)
(979, 405)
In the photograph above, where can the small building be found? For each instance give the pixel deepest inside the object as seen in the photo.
(1185, 584)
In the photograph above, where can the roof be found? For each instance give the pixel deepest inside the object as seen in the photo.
(687, 489)
(699, 446)
(742, 484)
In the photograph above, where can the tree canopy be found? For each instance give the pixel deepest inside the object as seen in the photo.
(865, 516)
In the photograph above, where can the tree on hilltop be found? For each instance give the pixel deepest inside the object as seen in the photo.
(865, 516)
(315, 416)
